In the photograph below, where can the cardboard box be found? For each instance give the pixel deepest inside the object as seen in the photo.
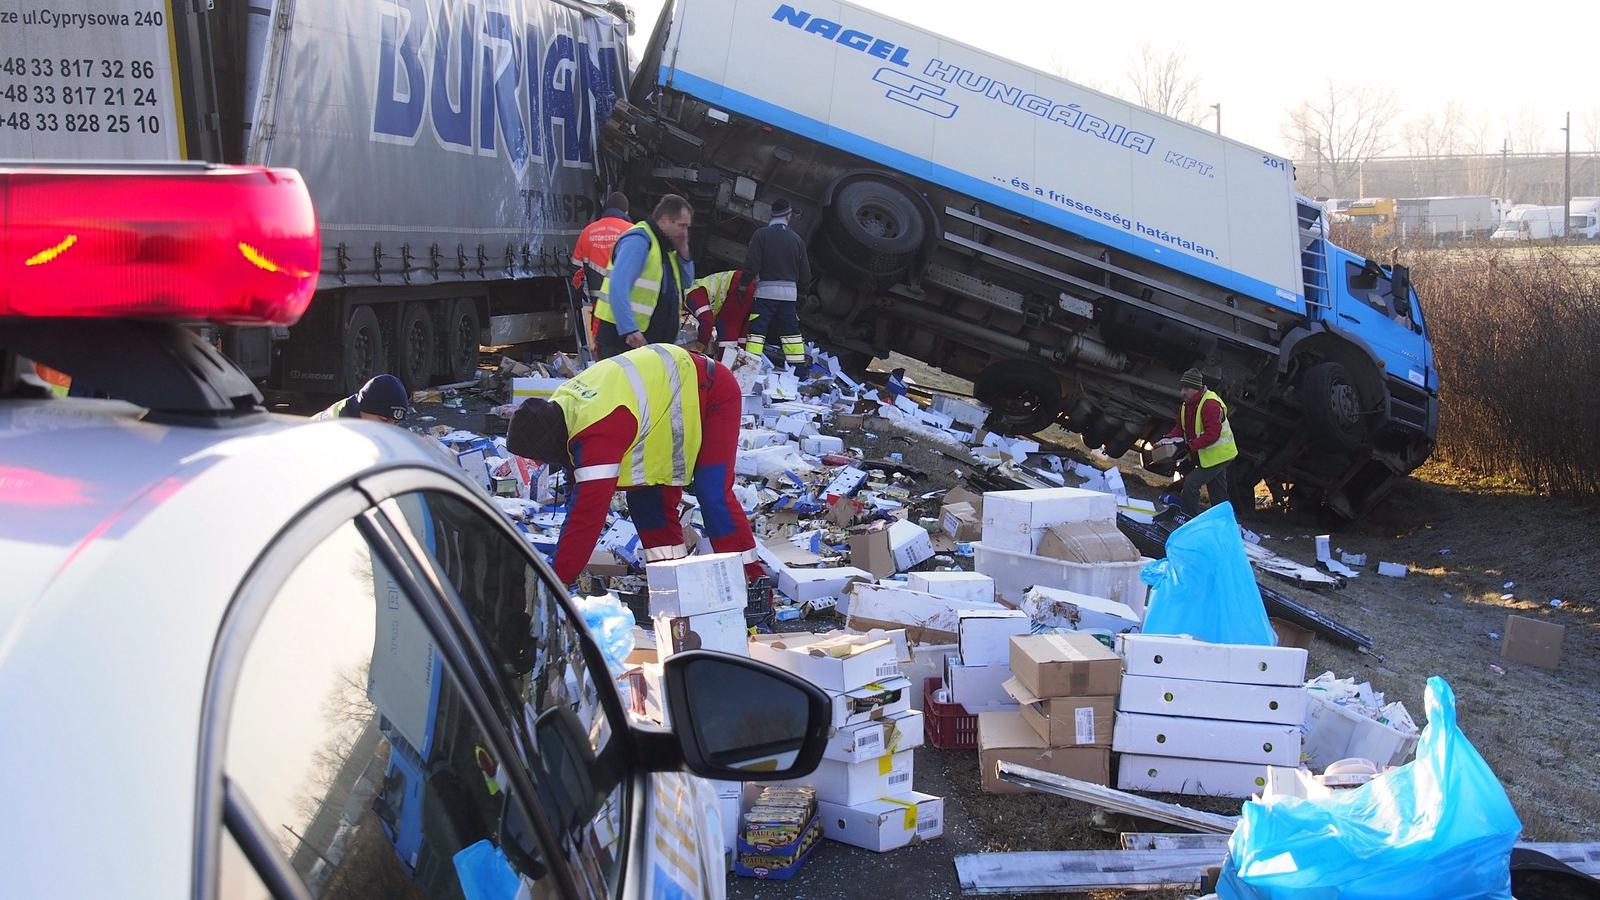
(967, 412)
(984, 635)
(801, 585)
(892, 734)
(925, 618)
(1196, 777)
(756, 438)
(725, 631)
(1015, 573)
(884, 824)
(1177, 657)
(1245, 742)
(849, 784)
(836, 661)
(849, 421)
(1016, 520)
(870, 702)
(1532, 641)
(961, 521)
(1072, 611)
(528, 387)
(974, 587)
(962, 495)
(820, 444)
(847, 482)
(1292, 635)
(696, 585)
(927, 661)
(1066, 721)
(910, 544)
(1087, 542)
(729, 810)
(978, 688)
(1065, 665)
(1212, 700)
(1004, 736)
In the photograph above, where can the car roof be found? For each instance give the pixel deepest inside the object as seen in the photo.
(115, 588)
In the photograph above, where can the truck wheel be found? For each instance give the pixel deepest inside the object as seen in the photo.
(362, 349)
(1333, 406)
(461, 335)
(1023, 396)
(414, 346)
(878, 218)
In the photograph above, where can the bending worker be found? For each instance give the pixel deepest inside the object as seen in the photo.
(721, 300)
(1203, 426)
(382, 399)
(639, 301)
(650, 421)
(777, 259)
(592, 256)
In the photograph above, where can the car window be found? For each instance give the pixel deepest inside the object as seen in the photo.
(546, 676)
(351, 739)
(236, 875)
(1372, 287)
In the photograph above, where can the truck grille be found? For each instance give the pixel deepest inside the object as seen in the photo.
(1408, 404)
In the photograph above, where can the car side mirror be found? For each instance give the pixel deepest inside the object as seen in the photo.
(736, 719)
(568, 759)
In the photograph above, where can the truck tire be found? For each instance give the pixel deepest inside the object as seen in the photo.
(878, 218)
(362, 351)
(1332, 406)
(414, 346)
(1023, 396)
(462, 331)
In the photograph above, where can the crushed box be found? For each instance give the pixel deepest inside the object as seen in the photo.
(1066, 721)
(884, 824)
(878, 700)
(961, 521)
(1086, 542)
(1004, 736)
(1065, 665)
(926, 618)
(1072, 611)
(870, 740)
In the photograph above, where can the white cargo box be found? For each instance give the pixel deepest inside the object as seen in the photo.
(859, 743)
(695, 585)
(1195, 777)
(974, 586)
(884, 824)
(979, 688)
(1014, 573)
(1334, 733)
(984, 635)
(1212, 700)
(1016, 520)
(1177, 657)
(850, 784)
(1245, 742)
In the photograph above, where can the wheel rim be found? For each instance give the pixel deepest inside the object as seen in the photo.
(364, 355)
(1345, 404)
(877, 221)
(465, 344)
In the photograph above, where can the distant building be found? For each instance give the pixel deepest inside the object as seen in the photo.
(1518, 177)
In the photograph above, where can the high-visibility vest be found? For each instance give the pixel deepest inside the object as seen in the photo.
(659, 384)
(716, 285)
(592, 253)
(335, 411)
(1225, 447)
(647, 287)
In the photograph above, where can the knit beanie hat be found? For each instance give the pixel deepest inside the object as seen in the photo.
(384, 396)
(1193, 378)
(539, 432)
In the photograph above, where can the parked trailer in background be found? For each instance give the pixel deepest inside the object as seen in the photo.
(1069, 252)
(450, 147)
(1446, 220)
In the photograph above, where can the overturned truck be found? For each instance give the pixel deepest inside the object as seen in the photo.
(1066, 251)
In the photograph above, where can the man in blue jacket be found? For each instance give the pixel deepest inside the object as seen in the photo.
(640, 301)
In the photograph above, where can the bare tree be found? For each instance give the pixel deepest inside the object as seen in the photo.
(1591, 128)
(1338, 132)
(1162, 83)
(1529, 132)
(1058, 68)
(1439, 133)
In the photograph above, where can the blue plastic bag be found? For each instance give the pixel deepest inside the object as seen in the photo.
(1205, 588)
(1438, 827)
(611, 623)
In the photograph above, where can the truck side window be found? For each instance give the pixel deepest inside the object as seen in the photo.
(351, 739)
(1371, 286)
(539, 653)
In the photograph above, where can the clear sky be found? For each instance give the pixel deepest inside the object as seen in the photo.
(1514, 69)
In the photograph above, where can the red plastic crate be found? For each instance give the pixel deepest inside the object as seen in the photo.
(950, 726)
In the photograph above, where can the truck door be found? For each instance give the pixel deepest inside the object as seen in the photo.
(1366, 306)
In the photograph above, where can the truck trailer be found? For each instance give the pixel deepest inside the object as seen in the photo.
(450, 147)
(1068, 252)
(1446, 220)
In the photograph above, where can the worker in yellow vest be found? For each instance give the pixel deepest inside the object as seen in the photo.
(639, 301)
(1203, 426)
(651, 421)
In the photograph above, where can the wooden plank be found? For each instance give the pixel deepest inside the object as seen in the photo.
(1163, 840)
(1117, 801)
(1052, 872)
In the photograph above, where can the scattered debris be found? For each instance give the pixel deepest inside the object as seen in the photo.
(1392, 570)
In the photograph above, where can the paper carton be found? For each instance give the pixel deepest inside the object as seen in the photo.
(695, 585)
(1016, 520)
(1066, 721)
(1292, 635)
(725, 631)
(1212, 699)
(975, 587)
(849, 784)
(1065, 665)
(926, 619)
(984, 635)
(818, 445)
(756, 438)
(847, 482)
(892, 734)
(1086, 542)
(978, 688)
(1196, 777)
(966, 412)
(1245, 742)
(1072, 611)
(927, 661)
(872, 702)
(1532, 641)
(884, 824)
(1004, 736)
(961, 521)
(836, 661)
(801, 585)
(1176, 657)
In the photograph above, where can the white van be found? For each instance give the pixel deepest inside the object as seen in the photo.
(1526, 222)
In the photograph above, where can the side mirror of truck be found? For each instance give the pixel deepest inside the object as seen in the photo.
(1401, 286)
(740, 720)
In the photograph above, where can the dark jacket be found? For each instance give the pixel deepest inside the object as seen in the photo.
(778, 254)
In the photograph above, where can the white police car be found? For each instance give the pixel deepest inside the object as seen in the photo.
(245, 656)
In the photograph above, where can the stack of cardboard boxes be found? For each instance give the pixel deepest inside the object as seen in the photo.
(864, 782)
(1064, 538)
(1066, 687)
(975, 675)
(1207, 719)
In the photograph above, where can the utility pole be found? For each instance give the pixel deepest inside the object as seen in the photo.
(1566, 181)
(1505, 171)
(1218, 108)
